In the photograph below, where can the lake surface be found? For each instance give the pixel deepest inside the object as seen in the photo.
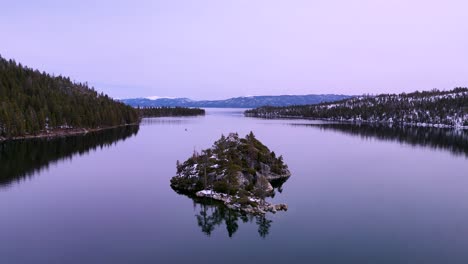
(357, 194)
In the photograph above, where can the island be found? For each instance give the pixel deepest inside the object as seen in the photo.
(236, 171)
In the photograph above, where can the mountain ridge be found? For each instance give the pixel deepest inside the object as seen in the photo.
(238, 102)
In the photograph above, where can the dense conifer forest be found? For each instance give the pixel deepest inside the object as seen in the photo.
(429, 108)
(169, 111)
(32, 103)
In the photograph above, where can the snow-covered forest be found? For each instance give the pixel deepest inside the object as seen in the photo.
(429, 108)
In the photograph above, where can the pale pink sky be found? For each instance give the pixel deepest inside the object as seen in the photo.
(208, 49)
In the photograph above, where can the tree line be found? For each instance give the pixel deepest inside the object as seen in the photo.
(33, 102)
(169, 111)
(444, 108)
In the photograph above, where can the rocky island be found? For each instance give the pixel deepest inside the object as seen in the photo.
(237, 171)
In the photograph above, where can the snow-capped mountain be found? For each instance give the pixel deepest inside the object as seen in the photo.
(238, 102)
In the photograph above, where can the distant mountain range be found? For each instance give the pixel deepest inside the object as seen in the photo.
(238, 102)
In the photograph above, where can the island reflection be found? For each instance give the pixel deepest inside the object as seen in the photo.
(448, 139)
(212, 214)
(22, 159)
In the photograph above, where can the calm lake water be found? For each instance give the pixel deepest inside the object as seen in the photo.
(357, 194)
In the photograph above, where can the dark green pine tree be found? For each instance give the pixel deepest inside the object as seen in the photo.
(32, 102)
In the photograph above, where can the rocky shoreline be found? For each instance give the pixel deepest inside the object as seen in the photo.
(63, 132)
(358, 122)
(254, 206)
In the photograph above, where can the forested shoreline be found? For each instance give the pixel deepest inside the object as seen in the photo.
(429, 108)
(169, 111)
(34, 104)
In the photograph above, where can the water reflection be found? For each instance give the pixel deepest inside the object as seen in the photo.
(211, 214)
(167, 120)
(452, 140)
(278, 185)
(23, 158)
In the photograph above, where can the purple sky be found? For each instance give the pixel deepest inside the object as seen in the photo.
(218, 49)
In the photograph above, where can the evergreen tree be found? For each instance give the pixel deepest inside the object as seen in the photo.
(434, 108)
(169, 111)
(32, 102)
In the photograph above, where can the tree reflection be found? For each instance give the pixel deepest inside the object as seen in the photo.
(207, 219)
(20, 159)
(263, 226)
(449, 139)
(211, 215)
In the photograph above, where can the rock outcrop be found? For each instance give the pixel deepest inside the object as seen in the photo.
(249, 205)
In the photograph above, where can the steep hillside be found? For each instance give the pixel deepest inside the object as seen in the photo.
(32, 103)
(429, 108)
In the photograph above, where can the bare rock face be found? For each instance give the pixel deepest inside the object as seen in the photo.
(262, 184)
(231, 166)
(265, 168)
(243, 179)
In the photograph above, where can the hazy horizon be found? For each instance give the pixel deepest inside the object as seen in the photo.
(240, 96)
(218, 49)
